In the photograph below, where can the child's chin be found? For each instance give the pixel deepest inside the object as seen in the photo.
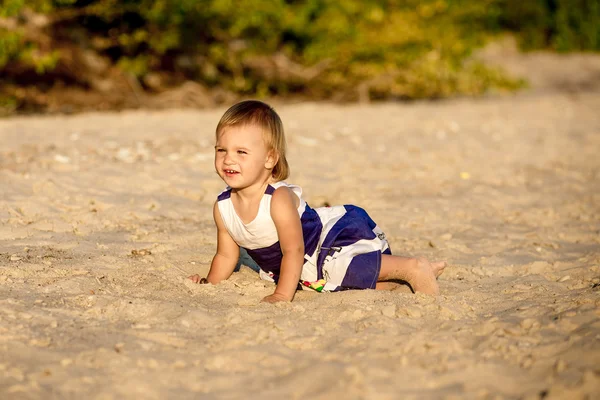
(233, 184)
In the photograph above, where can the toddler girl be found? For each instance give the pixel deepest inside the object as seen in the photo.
(323, 249)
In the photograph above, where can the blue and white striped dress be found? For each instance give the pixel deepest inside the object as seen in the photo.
(342, 244)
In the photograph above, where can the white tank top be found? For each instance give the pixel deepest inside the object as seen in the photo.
(260, 232)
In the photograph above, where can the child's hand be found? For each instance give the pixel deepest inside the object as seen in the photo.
(276, 297)
(196, 279)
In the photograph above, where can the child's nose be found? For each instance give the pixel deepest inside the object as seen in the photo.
(228, 159)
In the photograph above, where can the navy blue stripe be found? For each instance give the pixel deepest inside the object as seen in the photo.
(353, 226)
(363, 271)
(270, 190)
(311, 230)
(268, 258)
(225, 195)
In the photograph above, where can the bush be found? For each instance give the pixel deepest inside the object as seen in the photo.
(563, 25)
(324, 49)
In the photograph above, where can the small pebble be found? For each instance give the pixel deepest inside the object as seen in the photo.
(528, 323)
(527, 363)
(62, 159)
(560, 366)
(65, 362)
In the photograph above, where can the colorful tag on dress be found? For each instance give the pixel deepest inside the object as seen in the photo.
(316, 285)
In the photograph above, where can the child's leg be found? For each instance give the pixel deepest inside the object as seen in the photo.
(418, 272)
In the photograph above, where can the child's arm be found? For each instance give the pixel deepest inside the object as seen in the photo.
(284, 212)
(225, 259)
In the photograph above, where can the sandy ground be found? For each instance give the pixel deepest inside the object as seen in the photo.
(103, 215)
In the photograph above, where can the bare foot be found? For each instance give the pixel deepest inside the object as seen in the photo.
(424, 277)
(438, 267)
(420, 274)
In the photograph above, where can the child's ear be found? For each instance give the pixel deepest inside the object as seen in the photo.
(272, 159)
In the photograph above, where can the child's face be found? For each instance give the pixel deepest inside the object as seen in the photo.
(241, 156)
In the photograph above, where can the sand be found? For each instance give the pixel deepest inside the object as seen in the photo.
(102, 216)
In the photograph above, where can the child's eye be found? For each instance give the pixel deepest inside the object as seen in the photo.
(242, 152)
(220, 150)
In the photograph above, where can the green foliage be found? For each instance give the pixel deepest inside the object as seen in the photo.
(16, 44)
(10, 41)
(10, 46)
(42, 62)
(564, 25)
(337, 49)
(577, 25)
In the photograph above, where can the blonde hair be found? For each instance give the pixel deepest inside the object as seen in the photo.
(264, 116)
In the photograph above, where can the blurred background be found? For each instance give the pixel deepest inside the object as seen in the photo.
(75, 55)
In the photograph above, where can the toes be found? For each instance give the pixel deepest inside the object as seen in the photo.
(438, 268)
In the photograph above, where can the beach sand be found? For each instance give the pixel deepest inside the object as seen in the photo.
(103, 215)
